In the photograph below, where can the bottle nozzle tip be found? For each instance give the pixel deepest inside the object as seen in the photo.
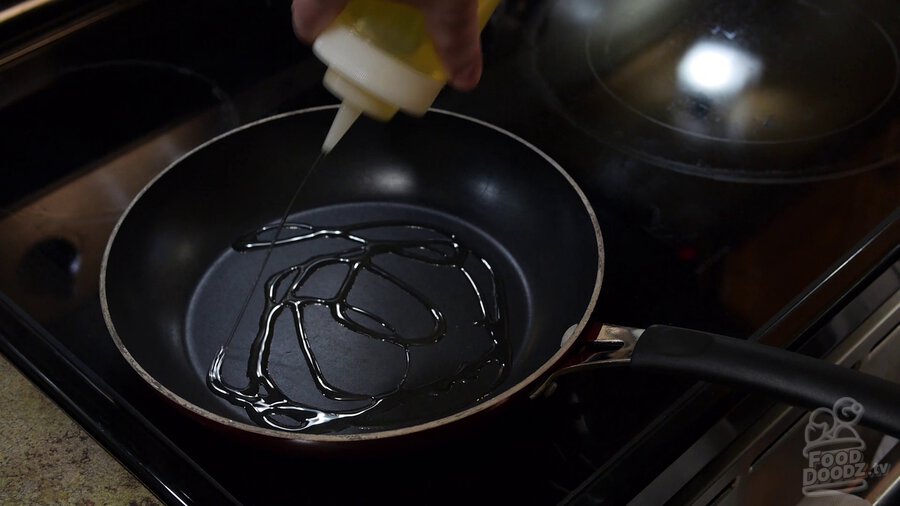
(346, 116)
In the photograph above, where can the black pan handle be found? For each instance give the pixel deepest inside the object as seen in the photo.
(790, 377)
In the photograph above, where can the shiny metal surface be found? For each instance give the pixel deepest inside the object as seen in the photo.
(612, 346)
(49, 21)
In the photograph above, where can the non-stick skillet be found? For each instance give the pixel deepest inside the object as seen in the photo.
(430, 270)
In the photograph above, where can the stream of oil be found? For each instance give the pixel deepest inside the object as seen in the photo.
(269, 406)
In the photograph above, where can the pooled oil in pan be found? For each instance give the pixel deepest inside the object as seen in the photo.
(361, 254)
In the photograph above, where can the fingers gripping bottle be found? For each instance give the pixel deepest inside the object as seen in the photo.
(380, 60)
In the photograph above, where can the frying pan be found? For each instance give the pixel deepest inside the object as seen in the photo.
(430, 270)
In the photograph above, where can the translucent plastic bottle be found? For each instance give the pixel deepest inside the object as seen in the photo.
(380, 60)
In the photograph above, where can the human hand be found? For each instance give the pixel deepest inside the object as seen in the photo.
(452, 24)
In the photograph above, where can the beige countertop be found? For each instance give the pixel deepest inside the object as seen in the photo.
(47, 458)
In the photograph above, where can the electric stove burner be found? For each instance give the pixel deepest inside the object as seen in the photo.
(774, 90)
(83, 145)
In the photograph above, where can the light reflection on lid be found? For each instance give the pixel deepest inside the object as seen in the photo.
(716, 69)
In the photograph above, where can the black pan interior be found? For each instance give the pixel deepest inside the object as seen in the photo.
(174, 282)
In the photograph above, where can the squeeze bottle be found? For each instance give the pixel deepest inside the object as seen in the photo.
(380, 60)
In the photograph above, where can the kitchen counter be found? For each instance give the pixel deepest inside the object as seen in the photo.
(48, 459)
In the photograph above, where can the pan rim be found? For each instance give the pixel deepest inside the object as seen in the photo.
(301, 437)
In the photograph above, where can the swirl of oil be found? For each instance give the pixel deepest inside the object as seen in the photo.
(268, 406)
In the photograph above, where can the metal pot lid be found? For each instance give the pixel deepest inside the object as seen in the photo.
(760, 90)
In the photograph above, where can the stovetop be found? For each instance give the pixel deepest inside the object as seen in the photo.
(749, 202)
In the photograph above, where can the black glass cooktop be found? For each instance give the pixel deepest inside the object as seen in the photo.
(735, 155)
